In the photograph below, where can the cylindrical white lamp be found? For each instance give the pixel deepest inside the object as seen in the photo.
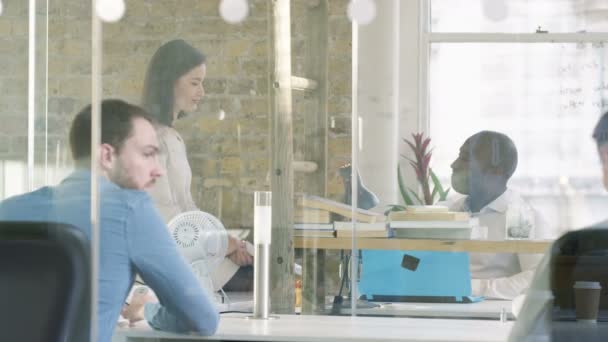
(262, 226)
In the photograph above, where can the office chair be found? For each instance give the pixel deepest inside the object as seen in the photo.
(578, 256)
(44, 282)
(548, 313)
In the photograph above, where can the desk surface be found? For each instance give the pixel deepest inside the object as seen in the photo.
(294, 328)
(487, 309)
(479, 246)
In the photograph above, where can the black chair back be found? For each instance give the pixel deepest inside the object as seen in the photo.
(44, 282)
(579, 255)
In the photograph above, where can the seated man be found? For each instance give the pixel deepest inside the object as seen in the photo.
(133, 236)
(486, 162)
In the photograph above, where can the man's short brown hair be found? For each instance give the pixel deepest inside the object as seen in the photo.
(116, 126)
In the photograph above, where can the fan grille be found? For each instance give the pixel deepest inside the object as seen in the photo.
(186, 234)
(201, 238)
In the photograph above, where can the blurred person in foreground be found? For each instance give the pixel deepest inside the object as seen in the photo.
(538, 318)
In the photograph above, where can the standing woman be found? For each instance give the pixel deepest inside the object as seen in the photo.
(173, 88)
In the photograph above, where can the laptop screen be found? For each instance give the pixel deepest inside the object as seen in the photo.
(414, 273)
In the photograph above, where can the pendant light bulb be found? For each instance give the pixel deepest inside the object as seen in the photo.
(361, 11)
(110, 11)
(234, 11)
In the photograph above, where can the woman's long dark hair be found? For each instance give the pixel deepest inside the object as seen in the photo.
(172, 60)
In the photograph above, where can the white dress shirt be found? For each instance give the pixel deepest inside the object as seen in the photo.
(501, 275)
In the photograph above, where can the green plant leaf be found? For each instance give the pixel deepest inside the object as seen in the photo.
(420, 201)
(393, 207)
(436, 183)
(437, 187)
(402, 189)
(445, 197)
(396, 207)
(434, 193)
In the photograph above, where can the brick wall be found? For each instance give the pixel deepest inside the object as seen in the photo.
(229, 158)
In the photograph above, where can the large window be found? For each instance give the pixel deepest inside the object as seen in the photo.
(518, 16)
(533, 71)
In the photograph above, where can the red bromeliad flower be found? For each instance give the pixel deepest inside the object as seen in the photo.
(421, 163)
(424, 174)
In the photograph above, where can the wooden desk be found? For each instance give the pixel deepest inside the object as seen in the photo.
(294, 328)
(479, 246)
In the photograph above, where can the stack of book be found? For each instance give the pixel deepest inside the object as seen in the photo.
(309, 215)
(344, 210)
(362, 229)
(430, 222)
(310, 224)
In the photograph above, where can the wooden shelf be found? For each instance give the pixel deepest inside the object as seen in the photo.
(479, 246)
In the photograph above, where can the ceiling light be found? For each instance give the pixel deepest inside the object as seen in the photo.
(361, 11)
(234, 11)
(110, 11)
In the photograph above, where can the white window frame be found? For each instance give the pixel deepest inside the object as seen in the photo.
(427, 38)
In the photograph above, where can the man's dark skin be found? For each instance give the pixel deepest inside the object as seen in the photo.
(484, 165)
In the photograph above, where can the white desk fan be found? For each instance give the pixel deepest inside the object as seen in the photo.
(203, 241)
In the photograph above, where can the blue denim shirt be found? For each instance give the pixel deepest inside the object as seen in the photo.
(133, 239)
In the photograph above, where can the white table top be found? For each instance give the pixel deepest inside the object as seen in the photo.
(299, 328)
(488, 309)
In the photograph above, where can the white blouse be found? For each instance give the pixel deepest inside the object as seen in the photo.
(171, 193)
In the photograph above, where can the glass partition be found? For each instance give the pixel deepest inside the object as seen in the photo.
(542, 67)
(360, 117)
(45, 228)
(510, 114)
(15, 173)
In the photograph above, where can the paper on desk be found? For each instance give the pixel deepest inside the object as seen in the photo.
(240, 234)
(245, 306)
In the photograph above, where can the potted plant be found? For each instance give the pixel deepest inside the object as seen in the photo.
(424, 175)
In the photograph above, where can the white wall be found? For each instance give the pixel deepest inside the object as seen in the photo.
(388, 65)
